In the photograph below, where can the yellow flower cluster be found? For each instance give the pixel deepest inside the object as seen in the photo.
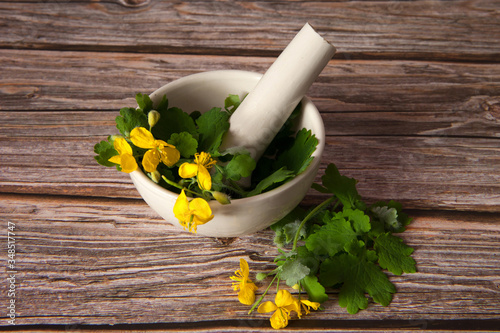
(284, 301)
(247, 288)
(284, 304)
(189, 213)
(158, 151)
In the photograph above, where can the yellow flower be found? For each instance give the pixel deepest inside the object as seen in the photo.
(202, 162)
(306, 305)
(283, 304)
(125, 158)
(247, 288)
(158, 151)
(192, 213)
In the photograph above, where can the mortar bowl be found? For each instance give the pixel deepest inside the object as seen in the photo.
(201, 92)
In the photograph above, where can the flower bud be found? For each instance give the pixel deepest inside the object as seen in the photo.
(296, 286)
(155, 176)
(260, 276)
(153, 117)
(221, 197)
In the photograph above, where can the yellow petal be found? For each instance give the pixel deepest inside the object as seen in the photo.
(309, 304)
(116, 159)
(128, 163)
(283, 298)
(279, 319)
(267, 307)
(143, 138)
(181, 208)
(245, 270)
(122, 147)
(204, 179)
(188, 170)
(151, 160)
(169, 155)
(247, 293)
(201, 211)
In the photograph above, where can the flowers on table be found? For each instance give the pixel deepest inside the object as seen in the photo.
(247, 288)
(283, 304)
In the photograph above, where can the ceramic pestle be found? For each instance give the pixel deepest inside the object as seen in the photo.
(266, 108)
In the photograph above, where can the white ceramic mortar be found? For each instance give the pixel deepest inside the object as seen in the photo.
(201, 92)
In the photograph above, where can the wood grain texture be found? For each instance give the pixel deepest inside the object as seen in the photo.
(359, 29)
(33, 80)
(393, 125)
(106, 261)
(411, 105)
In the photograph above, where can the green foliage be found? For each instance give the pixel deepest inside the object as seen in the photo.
(394, 255)
(272, 181)
(357, 275)
(105, 151)
(203, 132)
(298, 157)
(212, 126)
(185, 143)
(240, 165)
(129, 119)
(173, 120)
(346, 245)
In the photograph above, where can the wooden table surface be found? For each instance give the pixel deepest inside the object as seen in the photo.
(411, 105)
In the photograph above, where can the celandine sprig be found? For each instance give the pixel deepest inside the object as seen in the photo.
(341, 242)
(180, 152)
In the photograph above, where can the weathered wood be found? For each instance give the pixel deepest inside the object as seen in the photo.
(105, 261)
(411, 106)
(57, 158)
(465, 30)
(51, 80)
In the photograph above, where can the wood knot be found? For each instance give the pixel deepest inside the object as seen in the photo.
(134, 3)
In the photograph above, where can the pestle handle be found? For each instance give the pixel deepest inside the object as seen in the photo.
(266, 108)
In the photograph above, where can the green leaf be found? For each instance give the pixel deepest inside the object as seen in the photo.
(298, 157)
(343, 187)
(331, 238)
(162, 105)
(394, 255)
(278, 177)
(212, 126)
(185, 143)
(308, 258)
(314, 289)
(173, 120)
(283, 237)
(357, 276)
(391, 216)
(144, 102)
(293, 271)
(359, 220)
(105, 150)
(231, 103)
(129, 119)
(239, 166)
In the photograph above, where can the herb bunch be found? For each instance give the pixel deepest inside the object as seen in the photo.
(181, 152)
(341, 243)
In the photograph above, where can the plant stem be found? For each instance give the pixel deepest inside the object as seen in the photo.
(262, 297)
(180, 187)
(308, 217)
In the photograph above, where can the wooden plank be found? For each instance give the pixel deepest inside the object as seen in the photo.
(105, 261)
(409, 170)
(359, 29)
(33, 80)
(57, 158)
